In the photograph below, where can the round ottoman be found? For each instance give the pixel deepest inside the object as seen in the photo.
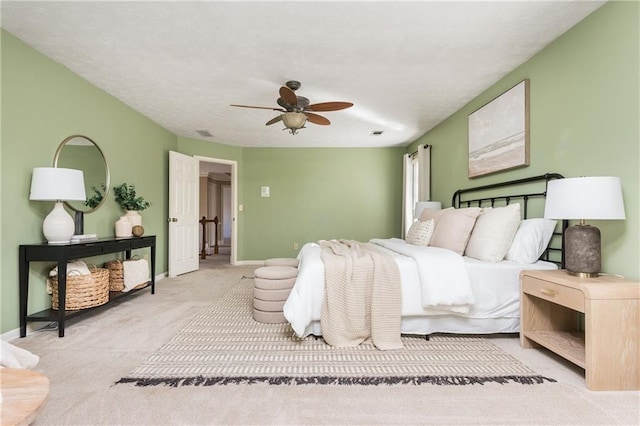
(282, 261)
(275, 277)
(272, 285)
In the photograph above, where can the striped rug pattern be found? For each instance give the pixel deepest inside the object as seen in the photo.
(224, 345)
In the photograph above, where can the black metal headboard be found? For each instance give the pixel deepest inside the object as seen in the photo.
(522, 191)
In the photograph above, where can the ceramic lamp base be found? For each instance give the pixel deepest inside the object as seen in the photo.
(58, 226)
(582, 250)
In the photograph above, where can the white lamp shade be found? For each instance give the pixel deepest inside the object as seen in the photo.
(54, 183)
(583, 198)
(294, 120)
(57, 184)
(422, 205)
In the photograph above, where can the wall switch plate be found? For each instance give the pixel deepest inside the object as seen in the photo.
(240, 207)
(264, 191)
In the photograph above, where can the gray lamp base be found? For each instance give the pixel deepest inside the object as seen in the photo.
(582, 250)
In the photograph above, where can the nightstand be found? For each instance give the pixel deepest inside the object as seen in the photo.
(609, 347)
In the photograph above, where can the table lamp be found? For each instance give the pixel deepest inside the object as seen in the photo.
(57, 184)
(422, 205)
(584, 198)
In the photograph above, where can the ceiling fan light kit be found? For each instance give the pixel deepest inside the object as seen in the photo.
(297, 110)
(294, 121)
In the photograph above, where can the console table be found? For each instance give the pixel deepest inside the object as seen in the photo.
(63, 253)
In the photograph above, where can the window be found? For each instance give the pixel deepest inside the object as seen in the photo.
(416, 184)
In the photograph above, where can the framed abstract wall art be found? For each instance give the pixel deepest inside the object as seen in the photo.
(499, 133)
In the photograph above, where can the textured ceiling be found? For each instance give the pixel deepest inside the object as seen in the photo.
(406, 66)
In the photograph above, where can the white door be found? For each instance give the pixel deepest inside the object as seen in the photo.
(183, 213)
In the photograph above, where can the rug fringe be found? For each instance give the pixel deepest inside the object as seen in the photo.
(326, 380)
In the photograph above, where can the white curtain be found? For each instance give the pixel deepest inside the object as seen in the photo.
(424, 167)
(407, 194)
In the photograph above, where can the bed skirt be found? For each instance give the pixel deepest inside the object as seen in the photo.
(444, 324)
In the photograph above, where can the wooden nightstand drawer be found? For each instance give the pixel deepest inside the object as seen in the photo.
(555, 293)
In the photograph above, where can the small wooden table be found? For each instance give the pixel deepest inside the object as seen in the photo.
(608, 348)
(23, 396)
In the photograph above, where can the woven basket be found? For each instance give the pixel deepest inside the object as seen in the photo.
(116, 275)
(83, 291)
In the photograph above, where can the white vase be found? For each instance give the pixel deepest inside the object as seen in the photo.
(134, 217)
(123, 227)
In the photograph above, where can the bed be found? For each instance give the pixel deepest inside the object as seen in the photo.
(478, 287)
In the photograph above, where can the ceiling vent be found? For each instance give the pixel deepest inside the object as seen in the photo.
(204, 133)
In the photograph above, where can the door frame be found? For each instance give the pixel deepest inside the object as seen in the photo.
(234, 202)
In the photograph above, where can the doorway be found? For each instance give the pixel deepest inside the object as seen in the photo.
(217, 204)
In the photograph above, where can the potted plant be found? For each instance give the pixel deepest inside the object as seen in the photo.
(126, 197)
(128, 200)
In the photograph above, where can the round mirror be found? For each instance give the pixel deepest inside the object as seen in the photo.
(81, 153)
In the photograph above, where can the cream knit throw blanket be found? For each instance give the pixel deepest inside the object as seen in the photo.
(362, 296)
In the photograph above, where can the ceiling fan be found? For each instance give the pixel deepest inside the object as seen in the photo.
(297, 110)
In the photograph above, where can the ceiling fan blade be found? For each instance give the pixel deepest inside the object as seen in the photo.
(257, 107)
(274, 120)
(289, 96)
(329, 106)
(317, 119)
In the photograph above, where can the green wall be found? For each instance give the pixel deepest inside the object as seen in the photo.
(319, 194)
(43, 103)
(584, 100)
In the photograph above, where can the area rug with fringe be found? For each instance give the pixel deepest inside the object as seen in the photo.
(223, 345)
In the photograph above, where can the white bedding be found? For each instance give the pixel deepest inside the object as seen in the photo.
(494, 306)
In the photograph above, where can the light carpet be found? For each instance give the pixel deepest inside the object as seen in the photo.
(224, 345)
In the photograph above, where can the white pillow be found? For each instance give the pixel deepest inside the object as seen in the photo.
(531, 240)
(493, 233)
(420, 233)
(453, 227)
(433, 214)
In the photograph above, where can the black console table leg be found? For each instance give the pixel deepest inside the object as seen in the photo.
(153, 269)
(62, 295)
(23, 272)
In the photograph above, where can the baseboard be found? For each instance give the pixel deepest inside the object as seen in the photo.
(33, 327)
(15, 333)
(250, 263)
